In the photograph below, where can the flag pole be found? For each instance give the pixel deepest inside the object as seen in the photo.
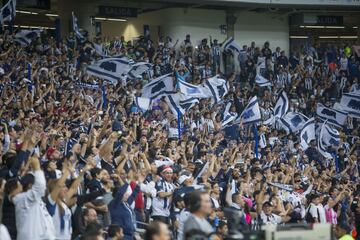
(179, 122)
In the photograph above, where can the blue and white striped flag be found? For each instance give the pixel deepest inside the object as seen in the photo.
(322, 147)
(8, 11)
(261, 81)
(292, 122)
(350, 102)
(331, 136)
(158, 87)
(192, 90)
(281, 106)
(25, 37)
(216, 88)
(333, 116)
(180, 103)
(251, 113)
(307, 133)
(76, 28)
(142, 103)
(138, 69)
(231, 45)
(110, 69)
(228, 116)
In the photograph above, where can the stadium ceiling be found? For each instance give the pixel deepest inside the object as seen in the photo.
(233, 5)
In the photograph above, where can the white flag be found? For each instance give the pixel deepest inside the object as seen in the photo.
(251, 113)
(158, 87)
(351, 104)
(110, 69)
(138, 69)
(321, 146)
(282, 105)
(331, 136)
(25, 37)
(293, 122)
(228, 116)
(180, 103)
(143, 103)
(307, 133)
(197, 91)
(261, 81)
(216, 88)
(8, 11)
(76, 28)
(333, 116)
(231, 45)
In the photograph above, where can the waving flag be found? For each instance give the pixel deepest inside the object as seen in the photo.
(293, 122)
(158, 87)
(180, 103)
(25, 37)
(261, 81)
(351, 104)
(333, 116)
(8, 11)
(76, 28)
(322, 147)
(228, 116)
(231, 45)
(331, 136)
(251, 113)
(143, 103)
(307, 133)
(110, 69)
(192, 90)
(138, 69)
(282, 105)
(217, 88)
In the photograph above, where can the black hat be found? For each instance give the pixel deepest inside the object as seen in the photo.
(267, 203)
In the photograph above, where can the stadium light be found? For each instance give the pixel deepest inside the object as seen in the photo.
(349, 37)
(26, 12)
(51, 15)
(299, 37)
(314, 26)
(110, 19)
(335, 27)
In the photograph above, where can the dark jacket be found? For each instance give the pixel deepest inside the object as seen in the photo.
(121, 212)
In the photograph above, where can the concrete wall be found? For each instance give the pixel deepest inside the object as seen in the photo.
(199, 23)
(261, 28)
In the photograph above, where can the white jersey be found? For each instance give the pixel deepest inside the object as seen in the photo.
(161, 206)
(33, 221)
(61, 219)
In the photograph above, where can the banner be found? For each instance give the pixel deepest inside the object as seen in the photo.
(158, 87)
(307, 133)
(351, 104)
(333, 116)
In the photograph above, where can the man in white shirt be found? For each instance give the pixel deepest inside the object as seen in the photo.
(33, 221)
(315, 211)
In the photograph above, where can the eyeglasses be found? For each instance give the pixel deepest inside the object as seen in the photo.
(168, 172)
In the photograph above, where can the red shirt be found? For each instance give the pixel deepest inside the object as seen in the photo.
(139, 200)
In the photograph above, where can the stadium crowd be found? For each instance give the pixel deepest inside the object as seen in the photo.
(80, 160)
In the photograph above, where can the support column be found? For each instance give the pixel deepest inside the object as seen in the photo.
(230, 23)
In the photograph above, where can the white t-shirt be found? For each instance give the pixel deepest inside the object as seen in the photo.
(317, 211)
(4, 234)
(33, 220)
(62, 223)
(270, 219)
